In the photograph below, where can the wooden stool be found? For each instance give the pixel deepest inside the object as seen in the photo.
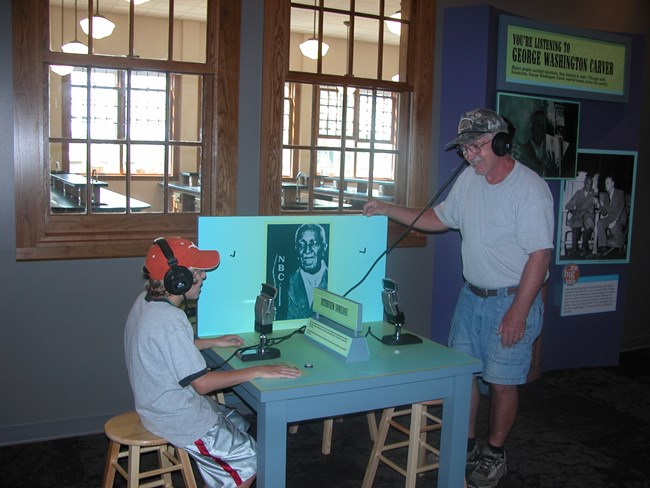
(127, 430)
(328, 425)
(416, 442)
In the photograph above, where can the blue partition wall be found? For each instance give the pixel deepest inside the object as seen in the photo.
(469, 81)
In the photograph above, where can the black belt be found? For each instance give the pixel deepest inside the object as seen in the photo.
(484, 292)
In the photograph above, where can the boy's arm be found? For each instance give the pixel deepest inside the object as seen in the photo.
(228, 340)
(218, 380)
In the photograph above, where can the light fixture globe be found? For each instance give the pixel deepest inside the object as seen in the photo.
(309, 48)
(75, 47)
(102, 27)
(61, 70)
(394, 26)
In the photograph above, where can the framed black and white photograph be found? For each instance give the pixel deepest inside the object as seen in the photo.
(596, 208)
(297, 262)
(546, 133)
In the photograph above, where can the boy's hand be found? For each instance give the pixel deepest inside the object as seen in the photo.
(278, 371)
(229, 340)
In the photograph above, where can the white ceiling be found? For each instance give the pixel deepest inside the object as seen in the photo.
(302, 20)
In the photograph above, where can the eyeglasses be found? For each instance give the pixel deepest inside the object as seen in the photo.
(472, 148)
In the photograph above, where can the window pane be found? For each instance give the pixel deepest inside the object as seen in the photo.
(147, 159)
(384, 166)
(148, 110)
(104, 103)
(107, 158)
(302, 114)
(366, 48)
(328, 162)
(304, 28)
(151, 23)
(68, 179)
(187, 109)
(115, 42)
(330, 116)
(190, 20)
(58, 108)
(185, 179)
(335, 34)
(390, 59)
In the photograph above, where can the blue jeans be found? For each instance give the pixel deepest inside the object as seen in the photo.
(474, 332)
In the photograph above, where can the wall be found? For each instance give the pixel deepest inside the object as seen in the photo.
(581, 340)
(61, 349)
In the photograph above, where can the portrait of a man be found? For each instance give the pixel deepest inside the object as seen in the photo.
(297, 257)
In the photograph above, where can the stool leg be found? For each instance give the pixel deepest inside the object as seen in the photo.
(414, 445)
(326, 444)
(422, 452)
(188, 474)
(372, 425)
(165, 463)
(371, 470)
(109, 469)
(133, 480)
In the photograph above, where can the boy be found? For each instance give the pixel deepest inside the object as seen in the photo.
(169, 376)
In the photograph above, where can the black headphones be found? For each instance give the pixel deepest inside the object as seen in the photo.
(178, 279)
(502, 141)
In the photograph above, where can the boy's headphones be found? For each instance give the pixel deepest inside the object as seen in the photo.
(178, 279)
(502, 141)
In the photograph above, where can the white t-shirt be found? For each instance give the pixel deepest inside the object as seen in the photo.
(500, 224)
(161, 359)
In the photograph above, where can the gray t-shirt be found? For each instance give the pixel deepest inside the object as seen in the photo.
(162, 360)
(500, 224)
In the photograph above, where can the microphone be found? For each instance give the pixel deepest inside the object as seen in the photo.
(264, 313)
(395, 316)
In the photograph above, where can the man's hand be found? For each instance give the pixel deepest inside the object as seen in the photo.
(512, 328)
(375, 207)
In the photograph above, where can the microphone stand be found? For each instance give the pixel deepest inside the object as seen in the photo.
(399, 339)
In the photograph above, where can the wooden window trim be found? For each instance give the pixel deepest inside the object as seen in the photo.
(275, 69)
(40, 235)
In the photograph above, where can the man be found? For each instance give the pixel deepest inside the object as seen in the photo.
(504, 212)
(311, 247)
(613, 217)
(581, 205)
(169, 376)
(533, 152)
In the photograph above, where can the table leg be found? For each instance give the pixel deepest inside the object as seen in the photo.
(271, 445)
(453, 440)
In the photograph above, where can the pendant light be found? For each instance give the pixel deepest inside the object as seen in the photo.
(62, 70)
(75, 47)
(309, 48)
(102, 27)
(393, 25)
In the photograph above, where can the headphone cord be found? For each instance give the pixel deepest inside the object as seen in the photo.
(411, 225)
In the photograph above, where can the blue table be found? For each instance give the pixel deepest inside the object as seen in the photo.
(393, 376)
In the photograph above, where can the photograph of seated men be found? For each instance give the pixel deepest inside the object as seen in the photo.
(613, 219)
(581, 219)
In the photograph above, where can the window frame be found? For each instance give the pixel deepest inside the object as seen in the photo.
(42, 235)
(414, 175)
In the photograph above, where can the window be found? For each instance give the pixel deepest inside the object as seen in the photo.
(359, 113)
(122, 148)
